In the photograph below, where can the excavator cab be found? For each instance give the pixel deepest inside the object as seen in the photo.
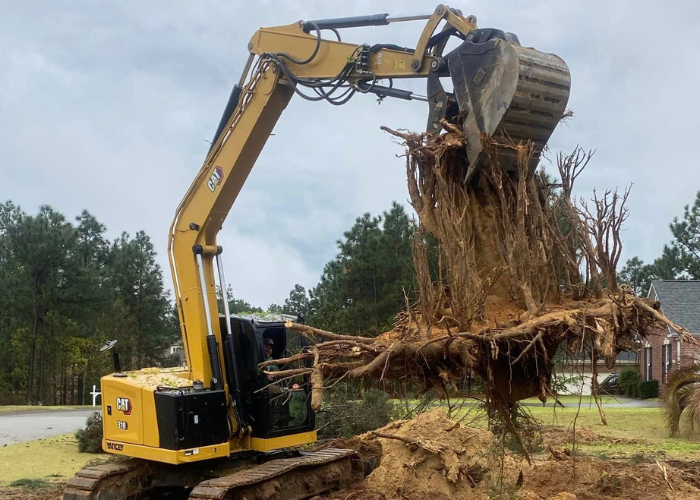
(271, 409)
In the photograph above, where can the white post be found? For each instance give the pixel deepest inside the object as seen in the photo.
(94, 394)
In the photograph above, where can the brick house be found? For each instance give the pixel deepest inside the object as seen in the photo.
(663, 351)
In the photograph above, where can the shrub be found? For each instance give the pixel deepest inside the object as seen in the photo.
(649, 389)
(90, 438)
(629, 383)
(681, 398)
(343, 417)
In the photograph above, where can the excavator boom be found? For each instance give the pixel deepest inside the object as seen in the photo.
(500, 90)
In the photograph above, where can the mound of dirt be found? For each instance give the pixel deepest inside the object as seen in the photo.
(557, 436)
(593, 479)
(430, 457)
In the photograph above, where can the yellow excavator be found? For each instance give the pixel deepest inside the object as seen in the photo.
(220, 428)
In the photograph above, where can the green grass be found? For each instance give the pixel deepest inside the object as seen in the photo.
(646, 425)
(4, 410)
(49, 459)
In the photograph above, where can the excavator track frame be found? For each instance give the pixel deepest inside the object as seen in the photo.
(124, 478)
(318, 472)
(294, 478)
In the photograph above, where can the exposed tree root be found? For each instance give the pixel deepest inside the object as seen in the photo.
(519, 271)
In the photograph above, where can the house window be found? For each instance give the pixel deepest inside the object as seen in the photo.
(666, 361)
(647, 359)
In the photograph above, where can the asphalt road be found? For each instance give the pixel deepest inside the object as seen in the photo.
(19, 427)
(608, 402)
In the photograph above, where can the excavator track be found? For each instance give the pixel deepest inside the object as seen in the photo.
(295, 478)
(112, 481)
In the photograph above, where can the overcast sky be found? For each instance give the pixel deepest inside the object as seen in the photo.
(107, 106)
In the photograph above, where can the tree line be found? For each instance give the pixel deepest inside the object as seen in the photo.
(679, 259)
(64, 290)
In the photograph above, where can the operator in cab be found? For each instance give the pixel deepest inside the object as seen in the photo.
(269, 347)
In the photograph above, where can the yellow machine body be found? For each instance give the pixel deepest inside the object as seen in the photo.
(131, 425)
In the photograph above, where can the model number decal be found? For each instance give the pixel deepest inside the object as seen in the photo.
(215, 179)
(122, 425)
(124, 405)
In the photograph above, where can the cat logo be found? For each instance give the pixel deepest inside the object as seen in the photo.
(124, 405)
(115, 446)
(216, 177)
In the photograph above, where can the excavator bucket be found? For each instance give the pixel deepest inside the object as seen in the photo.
(509, 92)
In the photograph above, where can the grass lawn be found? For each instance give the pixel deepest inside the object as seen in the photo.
(646, 425)
(49, 459)
(26, 408)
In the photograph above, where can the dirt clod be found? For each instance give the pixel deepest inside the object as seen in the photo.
(455, 471)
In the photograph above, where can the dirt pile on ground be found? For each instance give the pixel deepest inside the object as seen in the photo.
(432, 457)
(589, 478)
(52, 492)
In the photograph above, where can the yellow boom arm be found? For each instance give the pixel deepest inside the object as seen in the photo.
(500, 89)
(206, 204)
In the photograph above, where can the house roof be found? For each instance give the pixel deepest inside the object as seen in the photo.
(680, 301)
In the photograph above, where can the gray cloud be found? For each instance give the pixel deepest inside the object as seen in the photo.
(108, 106)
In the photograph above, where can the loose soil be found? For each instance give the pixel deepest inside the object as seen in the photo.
(448, 460)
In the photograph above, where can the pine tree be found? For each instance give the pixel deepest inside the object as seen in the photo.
(297, 302)
(362, 289)
(680, 259)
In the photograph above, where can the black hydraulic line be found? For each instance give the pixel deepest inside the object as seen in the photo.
(228, 111)
(313, 54)
(346, 22)
(213, 348)
(379, 46)
(383, 91)
(234, 380)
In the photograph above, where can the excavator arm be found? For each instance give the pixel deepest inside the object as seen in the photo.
(499, 88)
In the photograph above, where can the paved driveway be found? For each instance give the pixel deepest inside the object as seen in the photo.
(608, 402)
(20, 427)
